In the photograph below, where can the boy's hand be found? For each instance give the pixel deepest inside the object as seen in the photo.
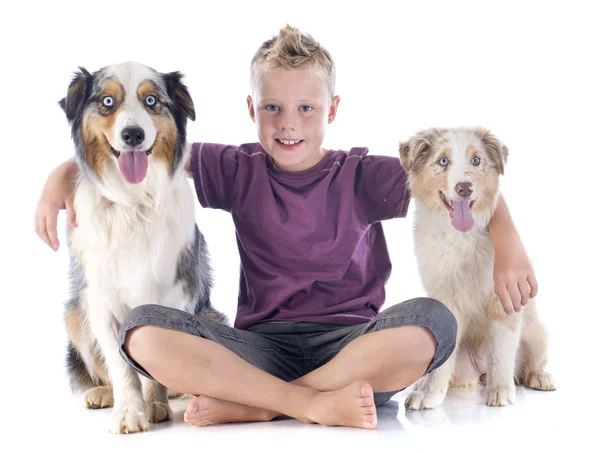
(514, 279)
(57, 194)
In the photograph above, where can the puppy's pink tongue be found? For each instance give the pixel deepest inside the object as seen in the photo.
(462, 218)
(133, 166)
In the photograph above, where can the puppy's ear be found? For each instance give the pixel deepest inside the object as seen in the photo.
(180, 94)
(404, 156)
(414, 152)
(496, 151)
(72, 104)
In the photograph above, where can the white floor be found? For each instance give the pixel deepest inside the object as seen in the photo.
(536, 421)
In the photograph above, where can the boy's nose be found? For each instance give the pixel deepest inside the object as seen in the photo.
(287, 123)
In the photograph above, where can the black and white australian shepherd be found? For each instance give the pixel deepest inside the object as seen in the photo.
(454, 176)
(137, 241)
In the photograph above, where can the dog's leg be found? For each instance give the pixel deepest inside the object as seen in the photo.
(157, 401)
(129, 410)
(430, 391)
(533, 353)
(505, 331)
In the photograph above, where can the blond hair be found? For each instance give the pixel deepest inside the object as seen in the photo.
(291, 50)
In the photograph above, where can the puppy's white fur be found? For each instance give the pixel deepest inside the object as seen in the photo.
(456, 268)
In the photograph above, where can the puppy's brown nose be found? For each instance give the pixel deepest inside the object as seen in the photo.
(464, 189)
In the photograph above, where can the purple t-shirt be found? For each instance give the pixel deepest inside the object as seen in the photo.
(311, 243)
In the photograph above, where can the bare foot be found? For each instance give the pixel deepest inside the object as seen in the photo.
(205, 411)
(351, 406)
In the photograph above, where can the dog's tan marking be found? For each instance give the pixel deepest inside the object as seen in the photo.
(494, 311)
(147, 88)
(496, 152)
(79, 337)
(166, 139)
(96, 127)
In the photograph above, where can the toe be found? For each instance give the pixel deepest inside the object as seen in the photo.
(366, 401)
(368, 410)
(364, 389)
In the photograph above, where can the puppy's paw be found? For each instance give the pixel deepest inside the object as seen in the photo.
(158, 412)
(540, 381)
(98, 397)
(423, 400)
(501, 395)
(127, 420)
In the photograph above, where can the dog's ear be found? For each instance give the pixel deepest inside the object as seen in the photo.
(496, 151)
(74, 101)
(414, 152)
(180, 94)
(404, 156)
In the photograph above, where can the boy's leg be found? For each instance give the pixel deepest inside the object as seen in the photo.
(391, 352)
(155, 341)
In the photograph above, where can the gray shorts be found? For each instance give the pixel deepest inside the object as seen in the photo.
(289, 350)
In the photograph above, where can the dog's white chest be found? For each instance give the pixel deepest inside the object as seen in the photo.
(451, 263)
(131, 252)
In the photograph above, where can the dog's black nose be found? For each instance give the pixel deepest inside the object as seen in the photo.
(133, 136)
(464, 189)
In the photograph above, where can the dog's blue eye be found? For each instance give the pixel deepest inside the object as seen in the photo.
(476, 161)
(108, 101)
(443, 161)
(150, 101)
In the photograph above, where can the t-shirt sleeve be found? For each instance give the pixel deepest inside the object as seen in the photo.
(382, 188)
(214, 169)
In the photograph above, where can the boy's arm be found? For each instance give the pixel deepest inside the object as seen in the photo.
(57, 194)
(514, 279)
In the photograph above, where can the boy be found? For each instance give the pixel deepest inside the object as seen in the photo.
(309, 340)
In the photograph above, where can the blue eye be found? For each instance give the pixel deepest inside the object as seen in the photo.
(476, 161)
(150, 101)
(272, 108)
(443, 161)
(306, 108)
(108, 101)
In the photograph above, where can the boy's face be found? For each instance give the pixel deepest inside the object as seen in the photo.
(291, 110)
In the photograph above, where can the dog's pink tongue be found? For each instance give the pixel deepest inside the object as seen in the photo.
(462, 219)
(133, 166)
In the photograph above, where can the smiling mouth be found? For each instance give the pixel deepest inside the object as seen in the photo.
(118, 153)
(288, 142)
(450, 204)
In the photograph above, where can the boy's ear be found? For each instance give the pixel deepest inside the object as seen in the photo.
(251, 110)
(78, 91)
(333, 107)
(495, 150)
(180, 94)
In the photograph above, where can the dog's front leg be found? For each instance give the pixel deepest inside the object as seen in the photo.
(505, 332)
(157, 401)
(129, 409)
(431, 390)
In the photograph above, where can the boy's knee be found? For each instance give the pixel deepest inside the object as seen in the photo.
(441, 316)
(139, 342)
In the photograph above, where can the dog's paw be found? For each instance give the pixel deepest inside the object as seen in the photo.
(501, 396)
(98, 397)
(540, 381)
(422, 400)
(158, 412)
(128, 420)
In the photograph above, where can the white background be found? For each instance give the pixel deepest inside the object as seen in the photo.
(528, 71)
